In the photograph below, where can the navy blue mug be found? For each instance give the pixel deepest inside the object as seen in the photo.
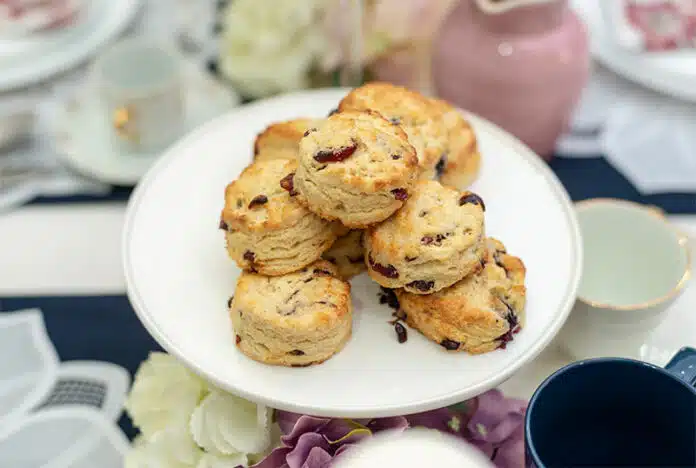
(615, 412)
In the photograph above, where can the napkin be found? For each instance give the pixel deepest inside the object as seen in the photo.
(648, 137)
(24, 17)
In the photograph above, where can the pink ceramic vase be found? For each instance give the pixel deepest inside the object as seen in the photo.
(519, 63)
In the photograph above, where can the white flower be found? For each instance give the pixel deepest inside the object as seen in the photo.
(270, 46)
(222, 461)
(169, 448)
(163, 395)
(228, 425)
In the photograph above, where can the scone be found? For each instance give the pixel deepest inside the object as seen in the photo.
(412, 111)
(281, 140)
(435, 240)
(348, 254)
(459, 165)
(298, 319)
(267, 230)
(356, 167)
(479, 314)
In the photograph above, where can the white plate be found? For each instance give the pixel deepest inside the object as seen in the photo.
(672, 73)
(83, 141)
(29, 60)
(179, 276)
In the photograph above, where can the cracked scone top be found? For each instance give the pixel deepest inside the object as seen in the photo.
(266, 229)
(298, 319)
(408, 109)
(435, 240)
(355, 167)
(478, 314)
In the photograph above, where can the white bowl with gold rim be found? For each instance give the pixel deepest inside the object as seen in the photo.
(636, 264)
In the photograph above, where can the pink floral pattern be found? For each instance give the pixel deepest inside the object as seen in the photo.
(665, 24)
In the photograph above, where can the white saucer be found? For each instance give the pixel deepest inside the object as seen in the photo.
(179, 276)
(677, 330)
(82, 135)
(672, 73)
(32, 59)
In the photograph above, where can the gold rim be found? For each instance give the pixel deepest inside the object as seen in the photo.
(682, 240)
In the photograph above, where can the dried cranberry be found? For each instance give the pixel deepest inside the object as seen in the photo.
(387, 296)
(223, 225)
(249, 256)
(400, 194)
(440, 166)
(319, 272)
(450, 345)
(395, 120)
(296, 352)
(336, 155)
(229, 301)
(288, 183)
(401, 334)
(258, 200)
(396, 156)
(427, 240)
(505, 338)
(473, 199)
(237, 339)
(302, 365)
(385, 270)
(421, 285)
(410, 259)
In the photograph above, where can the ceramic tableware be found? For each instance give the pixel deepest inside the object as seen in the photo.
(83, 136)
(635, 265)
(29, 60)
(139, 84)
(615, 412)
(179, 276)
(670, 72)
(415, 448)
(511, 59)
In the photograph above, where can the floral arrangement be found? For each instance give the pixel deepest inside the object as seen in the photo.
(272, 46)
(187, 423)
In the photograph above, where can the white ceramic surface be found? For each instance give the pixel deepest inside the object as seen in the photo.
(83, 135)
(179, 277)
(29, 60)
(635, 266)
(139, 84)
(672, 73)
(415, 448)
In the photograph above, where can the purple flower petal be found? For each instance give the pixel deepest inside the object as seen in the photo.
(305, 444)
(510, 453)
(342, 449)
(286, 420)
(275, 459)
(382, 424)
(303, 425)
(496, 417)
(317, 458)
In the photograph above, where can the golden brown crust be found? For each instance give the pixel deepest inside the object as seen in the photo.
(281, 140)
(478, 314)
(412, 111)
(462, 158)
(298, 319)
(355, 168)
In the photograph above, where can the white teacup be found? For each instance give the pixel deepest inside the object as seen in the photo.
(139, 84)
(635, 265)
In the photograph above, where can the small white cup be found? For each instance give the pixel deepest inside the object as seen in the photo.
(139, 84)
(635, 265)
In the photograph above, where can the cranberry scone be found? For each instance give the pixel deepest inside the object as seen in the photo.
(481, 313)
(355, 167)
(435, 240)
(348, 254)
(297, 320)
(266, 229)
(281, 140)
